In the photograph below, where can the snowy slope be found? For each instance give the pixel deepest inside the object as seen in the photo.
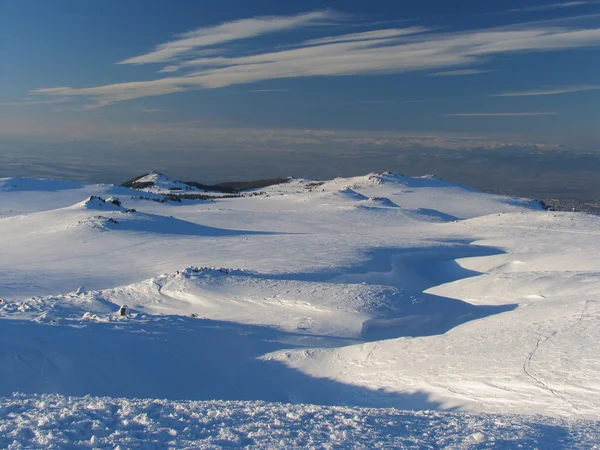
(28, 195)
(377, 291)
(159, 183)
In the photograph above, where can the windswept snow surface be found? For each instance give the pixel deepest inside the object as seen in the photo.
(381, 291)
(52, 421)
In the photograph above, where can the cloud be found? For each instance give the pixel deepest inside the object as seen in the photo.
(503, 114)
(258, 91)
(385, 51)
(228, 32)
(168, 69)
(29, 102)
(553, 6)
(367, 35)
(105, 95)
(214, 132)
(374, 102)
(556, 91)
(268, 90)
(150, 110)
(454, 73)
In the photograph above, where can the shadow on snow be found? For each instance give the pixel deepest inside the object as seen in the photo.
(180, 358)
(408, 310)
(157, 224)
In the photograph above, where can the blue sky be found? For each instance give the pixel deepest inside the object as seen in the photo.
(259, 71)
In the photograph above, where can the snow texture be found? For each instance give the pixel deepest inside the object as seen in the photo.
(53, 421)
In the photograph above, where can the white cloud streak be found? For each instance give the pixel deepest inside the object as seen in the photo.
(150, 110)
(169, 69)
(503, 114)
(455, 73)
(374, 52)
(29, 102)
(556, 91)
(367, 35)
(553, 6)
(228, 32)
(268, 90)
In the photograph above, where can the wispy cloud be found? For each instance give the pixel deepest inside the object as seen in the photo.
(150, 110)
(29, 102)
(228, 32)
(259, 91)
(556, 91)
(374, 102)
(553, 6)
(169, 69)
(267, 90)
(367, 35)
(372, 52)
(503, 114)
(455, 73)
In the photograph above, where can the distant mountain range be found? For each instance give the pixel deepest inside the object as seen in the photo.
(159, 183)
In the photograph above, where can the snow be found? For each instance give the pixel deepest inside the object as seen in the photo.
(29, 195)
(294, 310)
(162, 184)
(53, 421)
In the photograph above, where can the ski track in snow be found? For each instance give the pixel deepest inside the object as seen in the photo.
(529, 372)
(379, 291)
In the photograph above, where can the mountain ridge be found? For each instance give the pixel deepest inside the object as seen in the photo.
(152, 179)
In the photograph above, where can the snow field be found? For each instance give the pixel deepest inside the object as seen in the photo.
(380, 291)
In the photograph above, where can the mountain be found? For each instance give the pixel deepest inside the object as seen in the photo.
(380, 308)
(160, 183)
